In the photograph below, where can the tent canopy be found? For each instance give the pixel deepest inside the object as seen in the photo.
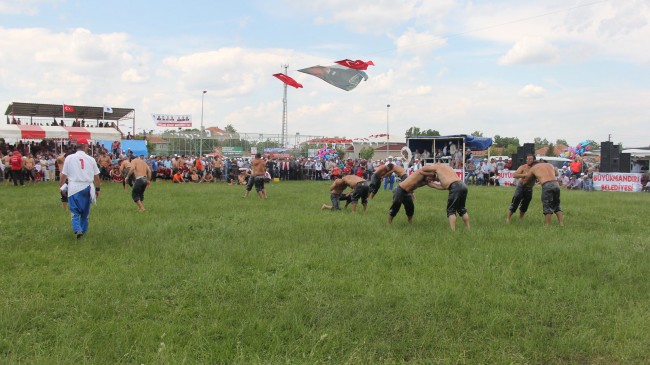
(138, 147)
(638, 152)
(33, 110)
(426, 142)
(17, 132)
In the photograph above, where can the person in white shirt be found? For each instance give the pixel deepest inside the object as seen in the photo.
(416, 165)
(81, 174)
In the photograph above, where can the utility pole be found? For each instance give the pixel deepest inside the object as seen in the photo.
(201, 131)
(284, 138)
(387, 134)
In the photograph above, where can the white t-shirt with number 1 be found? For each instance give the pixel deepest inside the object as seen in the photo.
(80, 170)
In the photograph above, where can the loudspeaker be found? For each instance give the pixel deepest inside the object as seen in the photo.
(614, 165)
(528, 148)
(606, 150)
(605, 165)
(615, 151)
(624, 162)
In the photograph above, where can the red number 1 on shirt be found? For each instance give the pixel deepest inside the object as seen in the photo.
(82, 163)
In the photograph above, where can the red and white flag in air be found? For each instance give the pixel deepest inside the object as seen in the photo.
(357, 65)
(288, 80)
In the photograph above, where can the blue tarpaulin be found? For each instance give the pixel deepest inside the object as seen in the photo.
(138, 147)
(427, 142)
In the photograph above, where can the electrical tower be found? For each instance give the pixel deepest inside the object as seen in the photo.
(285, 136)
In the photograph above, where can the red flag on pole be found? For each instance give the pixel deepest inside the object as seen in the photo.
(68, 108)
(357, 65)
(288, 80)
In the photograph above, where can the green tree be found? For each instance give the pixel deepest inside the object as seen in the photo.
(415, 131)
(539, 142)
(366, 153)
(477, 134)
(230, 129)
(341, 153)
(505, 141)
(561, 142)
(551, 150)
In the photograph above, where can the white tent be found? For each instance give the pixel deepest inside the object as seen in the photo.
(638, 153)
(17, 132)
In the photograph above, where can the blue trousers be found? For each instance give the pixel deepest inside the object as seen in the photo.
(80, 208)
(389, 180)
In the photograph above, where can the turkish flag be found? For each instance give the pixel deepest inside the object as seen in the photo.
(357, 65)
(68, 108)
(288, 80)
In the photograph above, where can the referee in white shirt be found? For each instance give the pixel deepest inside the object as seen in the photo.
(80, 171)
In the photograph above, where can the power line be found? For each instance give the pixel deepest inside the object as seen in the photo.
(453, 35)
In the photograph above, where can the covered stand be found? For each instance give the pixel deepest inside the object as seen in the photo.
(18, 132)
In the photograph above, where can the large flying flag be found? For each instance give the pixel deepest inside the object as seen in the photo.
(342, 77)
(288, 80)
(357, 65)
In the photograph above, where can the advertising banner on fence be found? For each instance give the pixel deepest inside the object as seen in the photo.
(617, 181)
(232, 151)
(172, 120)
(505, 178)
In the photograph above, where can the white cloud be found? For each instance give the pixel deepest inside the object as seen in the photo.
(530, 50)
(132, 76)
(614, 29)
(532, 91)
(480, 85)
(375, 16)
(417, 43)
(26, 7)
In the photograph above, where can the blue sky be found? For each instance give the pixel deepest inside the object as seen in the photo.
(552, 69)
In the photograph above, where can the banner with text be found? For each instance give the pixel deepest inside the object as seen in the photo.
(617, 181)
(506, 179)
(172, 120)
(232, 151)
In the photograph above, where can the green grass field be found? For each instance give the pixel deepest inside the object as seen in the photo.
(206, 277)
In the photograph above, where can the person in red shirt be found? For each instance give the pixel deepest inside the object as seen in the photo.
(576, 167)
(17, 165)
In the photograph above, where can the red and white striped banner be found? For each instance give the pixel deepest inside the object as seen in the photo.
(16, 132)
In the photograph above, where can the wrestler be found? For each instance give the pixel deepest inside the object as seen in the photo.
(336, 195)
(142, 179)
(383, 171)
(104, 162)
(29, 168)
(360, 190)
(60, 159)
(403, 195)
(524, 192)
(445, 178)
(125, 167)
(7, 168)
(258, 167)
(545, 175)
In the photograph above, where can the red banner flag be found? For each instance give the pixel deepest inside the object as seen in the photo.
(357, 65)
(288, 80)
(68, 108)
